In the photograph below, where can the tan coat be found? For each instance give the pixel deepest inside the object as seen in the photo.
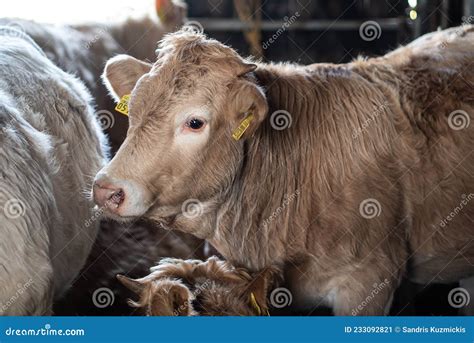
(372, 181)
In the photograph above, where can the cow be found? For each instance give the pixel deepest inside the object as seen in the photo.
(51, 148)
(347, 176)
(83, 49)
(213, 287)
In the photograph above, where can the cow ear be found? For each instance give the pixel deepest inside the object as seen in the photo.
(249, 108)
(172, 13)
(246, 68)
(121, 74)
(134, 285)
(177, 298)
(258, 290)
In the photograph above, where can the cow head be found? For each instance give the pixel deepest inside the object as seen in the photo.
(183, 111)
(206, 288)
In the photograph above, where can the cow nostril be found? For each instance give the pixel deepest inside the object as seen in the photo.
(117, 197)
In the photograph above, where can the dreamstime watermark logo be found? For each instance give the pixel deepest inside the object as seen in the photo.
(106, 119)
(100, 33)
(281, 120)
(466, 20)
(377, 288)
(193, 26)
(458, 31)
(370, 208)
(114, 199)
(458, 297)
(192, 208)
(465, 199)
(287, 22)
(281, 297)
(286, 201)
(96, 215)
(198, 291)
(14, 208)
(370, 30)
(459, 120)
(14, 29)
(22, 287)
(103, 297)
(47, 330)
(372, 117)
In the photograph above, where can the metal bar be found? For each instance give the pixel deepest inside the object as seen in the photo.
(232, 24)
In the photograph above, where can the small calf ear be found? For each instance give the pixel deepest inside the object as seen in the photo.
(121, 74)
(134, 285)
(259, 288)
(177, 297)
(171, 12)
(246, 68)
(248, 98)
(180, 297)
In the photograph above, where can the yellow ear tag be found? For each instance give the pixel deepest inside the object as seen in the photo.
(244, 125)
(122, 105)
(254, 304)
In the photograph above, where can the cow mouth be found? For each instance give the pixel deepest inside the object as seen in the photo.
(107, 214)
(161, 215)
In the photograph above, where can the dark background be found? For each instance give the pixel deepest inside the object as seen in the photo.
(328, 30)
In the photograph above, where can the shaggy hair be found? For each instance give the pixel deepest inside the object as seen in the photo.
(51, 146)
(84, 48)
(192, 287)
(352, 193)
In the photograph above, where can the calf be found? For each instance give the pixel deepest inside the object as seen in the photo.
(51, 147)
(121, 248)
(349, 176)
(192, 287)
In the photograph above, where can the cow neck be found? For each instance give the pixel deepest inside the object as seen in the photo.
(262, 198)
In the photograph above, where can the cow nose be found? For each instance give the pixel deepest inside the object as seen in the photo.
(108, 196)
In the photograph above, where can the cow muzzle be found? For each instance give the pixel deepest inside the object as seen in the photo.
(122, 198)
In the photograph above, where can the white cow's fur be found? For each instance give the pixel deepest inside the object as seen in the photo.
(51, 146)
(84, 49)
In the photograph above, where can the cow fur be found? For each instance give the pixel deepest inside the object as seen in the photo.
(377, 130)
(206, 288)
(51, 147)
(83, 49)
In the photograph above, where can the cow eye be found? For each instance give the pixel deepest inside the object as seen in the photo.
(195, 124)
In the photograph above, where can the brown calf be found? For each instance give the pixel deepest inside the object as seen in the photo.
(349, 176)
(192, 287)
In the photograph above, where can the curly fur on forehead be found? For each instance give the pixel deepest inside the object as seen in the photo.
(195, 49)
(193, 287)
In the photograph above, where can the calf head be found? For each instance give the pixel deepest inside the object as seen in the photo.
(183, 110)
(210, 288)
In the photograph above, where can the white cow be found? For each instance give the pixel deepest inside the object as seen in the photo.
(51, 146)
(83, 50)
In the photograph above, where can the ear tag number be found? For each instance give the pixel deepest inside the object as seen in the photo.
(122, 105)
(244, 125)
